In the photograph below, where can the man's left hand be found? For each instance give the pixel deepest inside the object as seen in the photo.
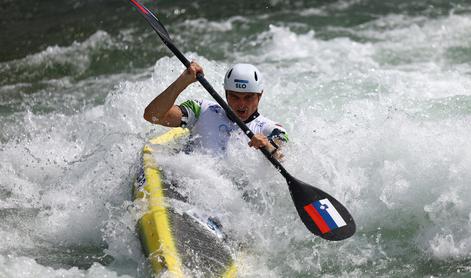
(259, 141)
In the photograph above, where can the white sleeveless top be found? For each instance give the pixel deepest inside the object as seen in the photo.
(211, 129)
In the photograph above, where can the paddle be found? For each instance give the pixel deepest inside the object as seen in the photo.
(322, 214)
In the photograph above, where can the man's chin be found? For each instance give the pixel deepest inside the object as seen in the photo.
(242, 117)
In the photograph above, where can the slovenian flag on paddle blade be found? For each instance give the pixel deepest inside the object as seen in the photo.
(324, 214)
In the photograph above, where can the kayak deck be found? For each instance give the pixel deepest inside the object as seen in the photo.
(178, 242)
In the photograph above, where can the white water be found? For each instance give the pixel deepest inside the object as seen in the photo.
(382, 125)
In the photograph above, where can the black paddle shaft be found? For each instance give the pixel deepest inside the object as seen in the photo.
(305, 197)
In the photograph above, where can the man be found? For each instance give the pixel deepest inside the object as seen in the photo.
(209, 125)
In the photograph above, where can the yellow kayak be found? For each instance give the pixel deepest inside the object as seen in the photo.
(181, 243)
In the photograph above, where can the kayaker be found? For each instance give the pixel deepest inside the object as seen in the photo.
(210, 127)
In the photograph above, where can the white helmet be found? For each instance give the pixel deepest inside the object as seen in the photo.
(243, 78)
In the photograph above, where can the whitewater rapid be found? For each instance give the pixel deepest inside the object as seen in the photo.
(380, 122)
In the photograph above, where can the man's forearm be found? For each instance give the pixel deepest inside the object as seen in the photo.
(158, 108)
(161, 110)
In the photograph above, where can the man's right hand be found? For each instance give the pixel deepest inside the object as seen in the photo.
(189, 75)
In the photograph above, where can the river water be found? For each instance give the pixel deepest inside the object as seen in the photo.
(376, 97)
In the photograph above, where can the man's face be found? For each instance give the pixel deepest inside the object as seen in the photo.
(243, 104)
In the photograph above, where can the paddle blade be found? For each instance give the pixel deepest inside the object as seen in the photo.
(152, 20)
(322, 214)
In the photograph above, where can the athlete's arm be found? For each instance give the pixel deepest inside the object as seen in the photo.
(276, 151)
(261, 141)
(162, 110)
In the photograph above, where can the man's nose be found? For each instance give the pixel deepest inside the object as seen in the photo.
(240, 103)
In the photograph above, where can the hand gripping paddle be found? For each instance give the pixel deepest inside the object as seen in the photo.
(322, 214)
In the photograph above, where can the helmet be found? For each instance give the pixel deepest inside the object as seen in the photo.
(243, 78)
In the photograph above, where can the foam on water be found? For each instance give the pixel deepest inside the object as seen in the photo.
(380, 122)
(385, 137)
(65, 179)
(27, 267)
